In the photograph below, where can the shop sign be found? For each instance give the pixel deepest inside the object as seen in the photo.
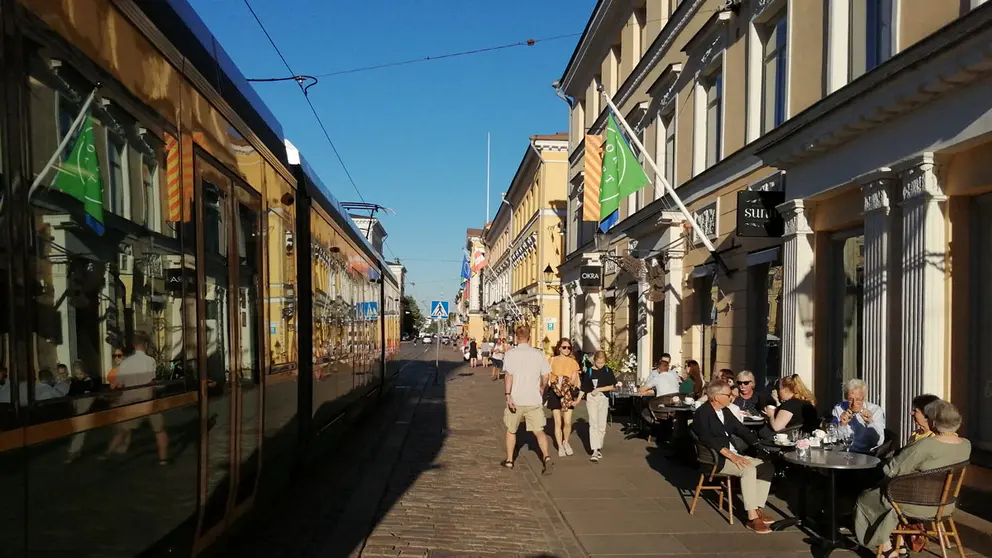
(590, 276)
(757, 216)
(177, 278)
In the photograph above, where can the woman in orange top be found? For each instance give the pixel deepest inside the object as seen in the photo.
(563, 393)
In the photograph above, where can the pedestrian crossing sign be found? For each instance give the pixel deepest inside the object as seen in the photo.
(439, 309)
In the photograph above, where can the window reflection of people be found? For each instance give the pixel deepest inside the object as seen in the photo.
(79, 385)
(118, 355)
(138, 370)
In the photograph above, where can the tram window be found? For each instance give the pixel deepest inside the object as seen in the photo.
(101, 283)
(281, 287)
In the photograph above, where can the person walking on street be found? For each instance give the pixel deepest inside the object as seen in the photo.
(526, 376)
(563, 394)
(499, 350)
(473, 353)
(596, 385)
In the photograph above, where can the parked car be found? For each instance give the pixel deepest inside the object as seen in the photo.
(445, 340)
(427, 339)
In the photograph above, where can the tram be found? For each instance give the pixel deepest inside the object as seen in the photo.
(186, 312)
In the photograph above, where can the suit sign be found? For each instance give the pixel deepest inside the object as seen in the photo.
(591, 276)
(757, 216)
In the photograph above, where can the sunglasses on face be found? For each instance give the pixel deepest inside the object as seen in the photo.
(566, 348)
(118, 355)
(745, 382)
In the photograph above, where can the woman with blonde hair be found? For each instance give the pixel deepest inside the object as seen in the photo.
(596, 384)
(797, 408)
(563, 393)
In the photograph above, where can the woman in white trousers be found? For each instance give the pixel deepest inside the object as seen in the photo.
(596, 384)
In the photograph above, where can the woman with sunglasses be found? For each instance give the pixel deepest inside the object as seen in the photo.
(563, 393)
(748, 399)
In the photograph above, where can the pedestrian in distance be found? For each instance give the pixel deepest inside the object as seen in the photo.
(526, 377)
(473, 353)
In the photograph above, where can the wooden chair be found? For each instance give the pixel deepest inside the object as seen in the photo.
(938, 488)
(708, 460)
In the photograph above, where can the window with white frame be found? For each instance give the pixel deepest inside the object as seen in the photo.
(665, 143)
(713, 90)
(871, 28)
(773, 73)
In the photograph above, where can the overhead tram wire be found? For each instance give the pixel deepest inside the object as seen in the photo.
(299, 79)
(528, 42)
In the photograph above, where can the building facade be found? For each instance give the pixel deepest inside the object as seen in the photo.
(859, 152)
(525, 244)
(469, 299)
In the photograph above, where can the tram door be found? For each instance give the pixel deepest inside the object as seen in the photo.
(230, 422)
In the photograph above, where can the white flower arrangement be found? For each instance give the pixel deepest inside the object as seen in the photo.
(628, 364)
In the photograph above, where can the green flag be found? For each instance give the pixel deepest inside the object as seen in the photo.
(622, 174)
(79, 176)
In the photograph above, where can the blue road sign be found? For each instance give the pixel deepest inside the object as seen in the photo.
(439, 309)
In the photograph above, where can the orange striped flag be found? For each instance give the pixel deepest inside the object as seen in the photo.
(593, 175)
(179, 177)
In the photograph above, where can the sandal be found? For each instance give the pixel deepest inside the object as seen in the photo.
(507, 463)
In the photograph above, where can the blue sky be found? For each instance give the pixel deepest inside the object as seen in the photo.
(413, 137)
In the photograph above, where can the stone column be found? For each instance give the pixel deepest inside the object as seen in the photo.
(566, 310)
(643, 330)
(592, 313)
(878, 192)
(674, 277)
(924, 267)
(797, 292)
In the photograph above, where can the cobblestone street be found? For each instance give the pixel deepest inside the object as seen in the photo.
(422, 479)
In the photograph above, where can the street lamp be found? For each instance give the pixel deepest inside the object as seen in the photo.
(549, 278)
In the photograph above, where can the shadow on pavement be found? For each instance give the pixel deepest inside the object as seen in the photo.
(335, 501)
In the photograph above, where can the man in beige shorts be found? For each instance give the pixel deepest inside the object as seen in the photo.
(527, 371)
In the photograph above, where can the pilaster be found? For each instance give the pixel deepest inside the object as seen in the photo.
(879, 190)
(797, 292)
(674, 276)
(643, 330)
(924, 265)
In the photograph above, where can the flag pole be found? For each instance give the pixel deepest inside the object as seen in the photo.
(487, 175)
(65, 141)
(659, 176)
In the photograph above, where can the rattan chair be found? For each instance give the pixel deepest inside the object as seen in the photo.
(709, 460)
(938, 488)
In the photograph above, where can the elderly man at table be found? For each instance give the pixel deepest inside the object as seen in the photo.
(665, 382)
(859, 418)
(713, 425)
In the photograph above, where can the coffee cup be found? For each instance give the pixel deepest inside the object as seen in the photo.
(770, 408)
(781, 437)
(689, 401)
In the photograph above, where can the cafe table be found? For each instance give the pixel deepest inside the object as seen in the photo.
(831, 461)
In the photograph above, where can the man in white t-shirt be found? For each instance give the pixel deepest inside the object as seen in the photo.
(665, 382)
(527, 371)
(138, 369)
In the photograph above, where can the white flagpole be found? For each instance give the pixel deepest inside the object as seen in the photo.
(65, 141)
(487, 176)
(659, 176)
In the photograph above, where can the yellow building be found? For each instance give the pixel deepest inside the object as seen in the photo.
(525, 244)
(469, 301)
(866, 122)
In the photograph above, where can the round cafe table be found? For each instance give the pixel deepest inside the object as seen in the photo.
(832, 461)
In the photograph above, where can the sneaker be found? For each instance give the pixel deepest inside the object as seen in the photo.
(759, 526)
(549, 466)
(561, 451)
(568, 448)
(596, 456)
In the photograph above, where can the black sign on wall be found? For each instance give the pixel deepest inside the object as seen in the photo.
(591, 276)
(757, 216)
